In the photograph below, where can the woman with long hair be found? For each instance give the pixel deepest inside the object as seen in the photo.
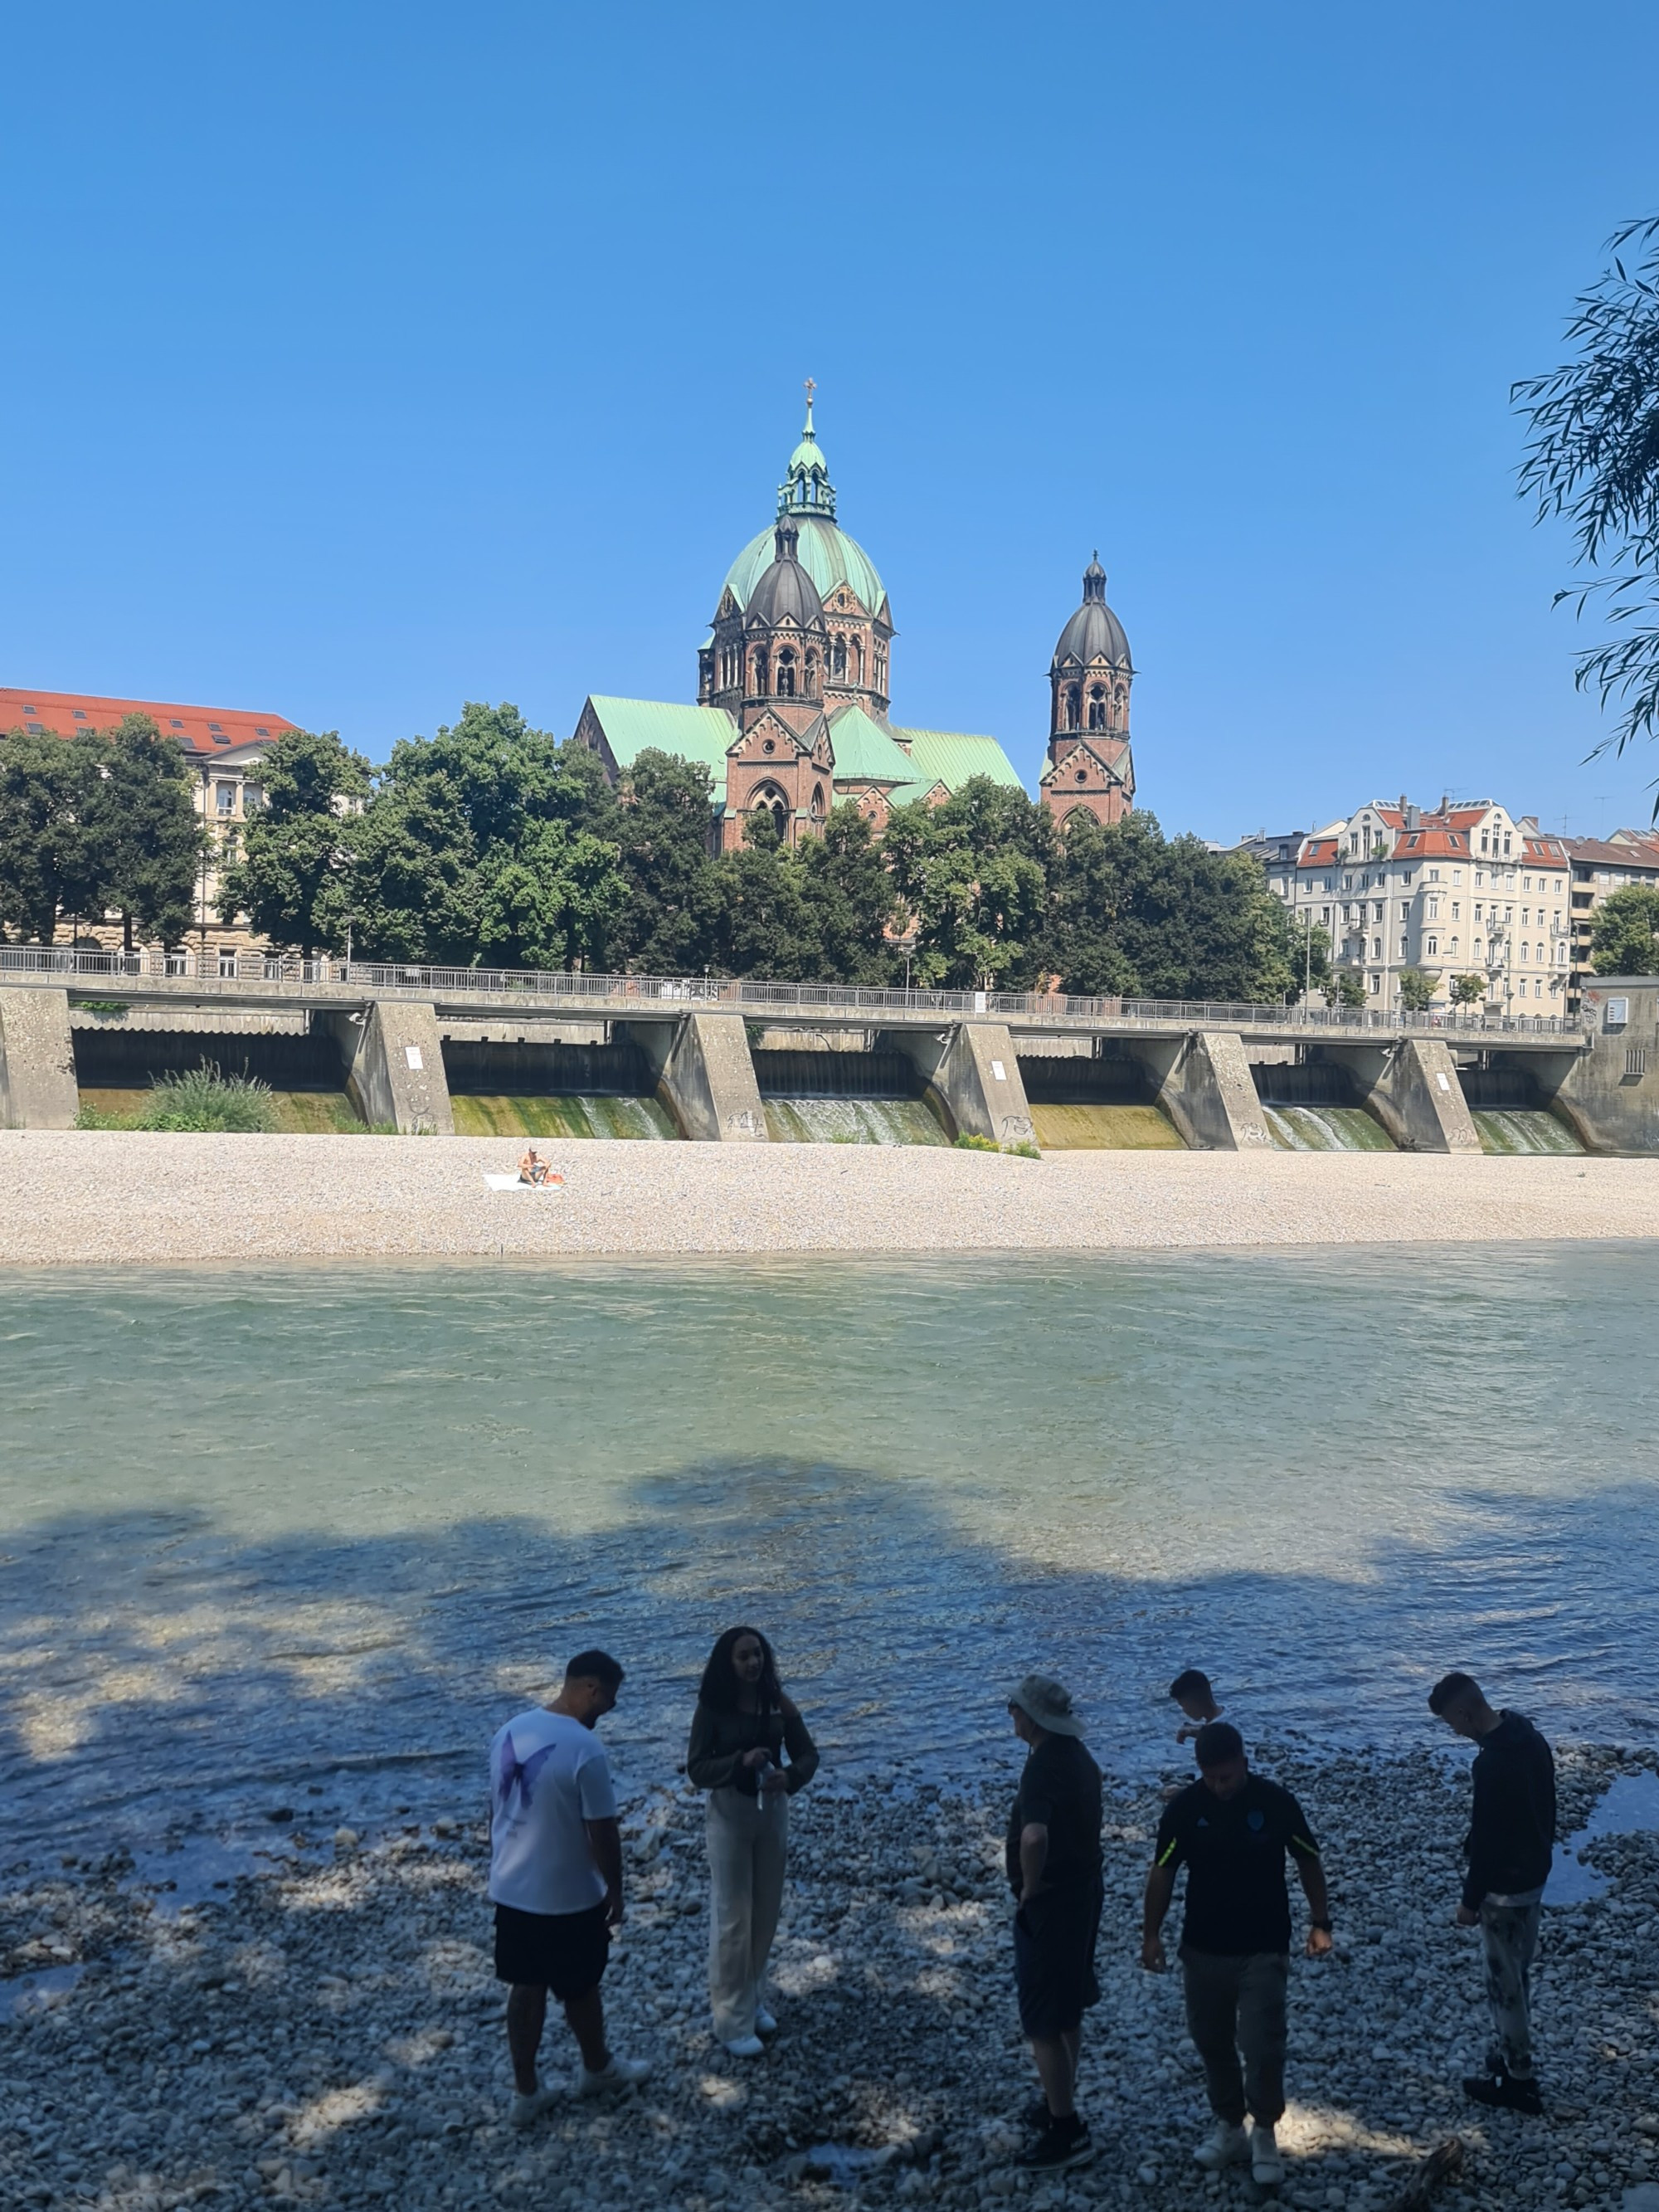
(741, 1733)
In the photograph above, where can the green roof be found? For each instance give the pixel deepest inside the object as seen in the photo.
(947, 757)
(865, 752)
(829, 556)
(695, 733)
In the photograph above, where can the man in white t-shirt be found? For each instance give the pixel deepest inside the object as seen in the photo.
(556, 1879)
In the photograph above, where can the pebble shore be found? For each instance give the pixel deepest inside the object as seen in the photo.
(95, 1198)
(328, 2033)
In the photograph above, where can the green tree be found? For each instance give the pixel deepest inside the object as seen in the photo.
(1135, 912)
(52, 864)
(850, 901)
(1594, 455)
(1467, 990)
(297, 851)
(151, 844)
(972, 874)
(764, 924)
(410, 889)
(1417, 990)
(1346, 990)
(558, 900)
(672, 921)
(1625, 933)
(504, 775)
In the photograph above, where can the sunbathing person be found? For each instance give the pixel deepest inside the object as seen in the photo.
(532, 1169)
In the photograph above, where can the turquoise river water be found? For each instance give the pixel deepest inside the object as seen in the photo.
(303, 1538)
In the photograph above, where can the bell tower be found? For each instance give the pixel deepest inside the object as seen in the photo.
(1090, 769)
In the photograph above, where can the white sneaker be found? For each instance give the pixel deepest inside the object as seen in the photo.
(1226, 2146)
(764, 2023)
(528, 2106)
(1267, 2163)
(620, 2074)
(746, 2046)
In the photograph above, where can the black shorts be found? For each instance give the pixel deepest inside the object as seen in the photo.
(1054, 1960)
(564, 1952)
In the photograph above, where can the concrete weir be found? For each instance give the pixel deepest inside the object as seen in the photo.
(394, 1061)
(973, 1070)
(36, 1061)
(705, 1076)
(1413, 1089)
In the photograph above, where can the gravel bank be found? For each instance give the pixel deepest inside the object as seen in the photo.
(91, 1197)
(328, 2033)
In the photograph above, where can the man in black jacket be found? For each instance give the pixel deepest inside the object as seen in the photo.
(1509, 1848)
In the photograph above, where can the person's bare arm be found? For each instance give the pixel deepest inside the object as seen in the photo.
(1033, 1858)
(1311, 1875)
(1160, 1889)
(605, 1842)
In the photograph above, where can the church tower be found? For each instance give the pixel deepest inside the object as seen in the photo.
(1090, 769)
(771, 654)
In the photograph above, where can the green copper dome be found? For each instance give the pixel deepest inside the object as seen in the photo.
(829, 556)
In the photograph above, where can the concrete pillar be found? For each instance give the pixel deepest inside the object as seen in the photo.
(1413, 1090)
(705, 1076)
(36, 1061)
(394, 1064)
(975, 1074)
(1203, 1084)
(1610, 1094)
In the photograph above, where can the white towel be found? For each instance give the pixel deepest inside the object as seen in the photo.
(512, 1183)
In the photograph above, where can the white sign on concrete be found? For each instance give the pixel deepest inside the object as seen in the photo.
(412, 1056)
(998, 1071)
(1441, 1080)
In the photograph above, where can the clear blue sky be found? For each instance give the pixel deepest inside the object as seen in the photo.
(363, 359)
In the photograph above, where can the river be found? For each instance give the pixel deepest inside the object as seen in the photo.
(301, 1538)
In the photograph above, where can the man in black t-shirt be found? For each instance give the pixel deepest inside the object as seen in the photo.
(1232, 1831)
(1054, 1862)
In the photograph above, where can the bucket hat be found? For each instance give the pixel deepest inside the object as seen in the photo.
(1049, 1704)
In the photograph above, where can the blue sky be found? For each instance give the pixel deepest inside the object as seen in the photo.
(364, 359)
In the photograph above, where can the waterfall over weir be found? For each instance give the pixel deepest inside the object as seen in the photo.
(1298, 1129)
(844, 1098)
(1521, 1129)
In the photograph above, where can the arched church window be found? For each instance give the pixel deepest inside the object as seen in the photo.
(769, 800)
(838, 656)
(760, 675)
(785, 674)
(857, 648)
(1073, 705)
(1096, 706)
(817, 798)
(809, 675)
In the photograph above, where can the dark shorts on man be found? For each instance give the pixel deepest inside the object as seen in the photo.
(1054, 1935)
(564, 1952)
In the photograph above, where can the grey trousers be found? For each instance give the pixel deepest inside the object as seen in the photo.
(747, 1843)
(1509, 1935)
(1235, 2007)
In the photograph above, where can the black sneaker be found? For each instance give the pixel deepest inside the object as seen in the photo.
(1061, 2145)
(1036, 2116)
(1506, 2092)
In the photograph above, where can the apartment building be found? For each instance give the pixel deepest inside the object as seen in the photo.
(1600, 867)
(1456, 889)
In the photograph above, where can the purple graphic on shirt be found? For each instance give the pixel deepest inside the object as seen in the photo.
(514, 1773)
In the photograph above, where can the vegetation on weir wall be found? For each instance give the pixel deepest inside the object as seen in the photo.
(494, 844)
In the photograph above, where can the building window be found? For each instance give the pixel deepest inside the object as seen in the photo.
(1096, 706)
(1073, 705)
(1431, 946)
(838, 656)
(1433, 910)
(1403, 951)
(224, 796)
(1453, 948)
(785, 674)
(809, 675)
(227, 961)
(1374, 982)
(1434, 875)
(1376, 948)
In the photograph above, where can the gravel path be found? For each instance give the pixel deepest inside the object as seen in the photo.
(329, 2034)
(87, 1197)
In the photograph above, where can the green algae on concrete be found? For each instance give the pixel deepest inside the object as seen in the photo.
(480, 1115)
(1102, 1128)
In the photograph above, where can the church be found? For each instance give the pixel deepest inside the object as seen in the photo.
(792, 712)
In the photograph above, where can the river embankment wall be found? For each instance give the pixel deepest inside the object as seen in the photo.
(123, 1198)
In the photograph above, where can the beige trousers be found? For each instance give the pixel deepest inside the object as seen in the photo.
(748, 1843)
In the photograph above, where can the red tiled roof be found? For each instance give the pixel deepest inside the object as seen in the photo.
(1431, 840)
(1625, 856)
(199, 729)
(1543, 851)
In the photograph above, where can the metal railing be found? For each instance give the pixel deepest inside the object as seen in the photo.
(563, 987)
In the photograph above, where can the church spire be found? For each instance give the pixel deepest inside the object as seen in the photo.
(807, 490)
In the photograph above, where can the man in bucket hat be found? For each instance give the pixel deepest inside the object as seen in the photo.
(1054, 1871)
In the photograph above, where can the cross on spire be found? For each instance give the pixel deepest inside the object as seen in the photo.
(811, 388)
